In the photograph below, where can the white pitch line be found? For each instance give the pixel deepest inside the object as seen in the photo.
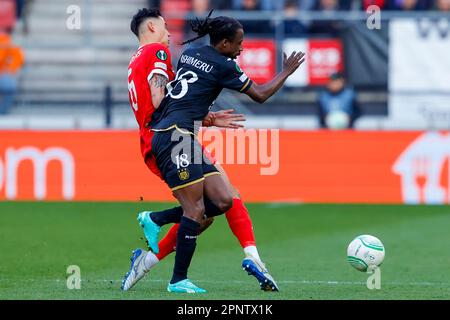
(307, 282)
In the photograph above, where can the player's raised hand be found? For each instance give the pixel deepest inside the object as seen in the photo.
(293, 62)
(228, 119)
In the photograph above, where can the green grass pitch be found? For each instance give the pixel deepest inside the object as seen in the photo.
(304, 247)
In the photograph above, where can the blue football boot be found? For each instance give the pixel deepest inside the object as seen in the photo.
(151, 230)
(256, 268)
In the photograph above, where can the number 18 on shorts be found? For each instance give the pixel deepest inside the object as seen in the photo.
(180, 158)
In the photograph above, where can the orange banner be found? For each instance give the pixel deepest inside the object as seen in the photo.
(292, 166)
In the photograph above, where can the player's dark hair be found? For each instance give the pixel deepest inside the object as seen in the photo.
(218, 28)
(140, 16)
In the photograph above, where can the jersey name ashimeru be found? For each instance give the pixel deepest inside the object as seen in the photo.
(202, 74)
(197, 63)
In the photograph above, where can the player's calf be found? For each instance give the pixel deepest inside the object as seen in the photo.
(205, 223)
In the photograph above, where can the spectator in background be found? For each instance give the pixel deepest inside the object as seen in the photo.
(409, 5)
(154, 4)
(254, 26)
(306, 5)
(329, 27)
(443, 5)
(327, 5)
(200, 9)
(11, 60)
(250, 5)
(346, 4)
(262, 4)
(19, 8)
(292, 25)
(337, 104)
(367, 3)
(222, 4)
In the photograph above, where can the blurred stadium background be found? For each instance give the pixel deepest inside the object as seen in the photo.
(63, 83)
(69, 135)
(374, 72)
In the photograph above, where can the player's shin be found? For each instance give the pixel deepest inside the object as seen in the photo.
(172, 215)
(168, 243)
(186, 243)
(241, 225)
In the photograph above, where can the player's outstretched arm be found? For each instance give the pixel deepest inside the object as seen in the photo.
(261, 93)
(157, 85)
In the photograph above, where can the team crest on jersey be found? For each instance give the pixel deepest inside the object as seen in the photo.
(162, 55)
(183, 174)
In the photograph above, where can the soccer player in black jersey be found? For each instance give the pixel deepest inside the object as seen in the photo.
(202, 74)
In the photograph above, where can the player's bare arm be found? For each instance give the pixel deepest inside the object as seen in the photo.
(261, 93)
(157, 85)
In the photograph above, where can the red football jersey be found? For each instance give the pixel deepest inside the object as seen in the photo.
(148, 60)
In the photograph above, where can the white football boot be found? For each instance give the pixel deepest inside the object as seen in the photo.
(138, 269)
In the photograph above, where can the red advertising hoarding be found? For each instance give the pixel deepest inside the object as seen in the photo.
(298, 166)
(258, 60)
(325, 57)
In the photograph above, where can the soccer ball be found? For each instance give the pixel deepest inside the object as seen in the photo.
(365, 253)
(337, 120)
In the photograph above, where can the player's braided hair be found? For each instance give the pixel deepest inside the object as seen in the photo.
(218, 28)
(140, 16)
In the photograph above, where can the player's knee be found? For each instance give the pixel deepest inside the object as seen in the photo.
(225, 202)
(195, 211)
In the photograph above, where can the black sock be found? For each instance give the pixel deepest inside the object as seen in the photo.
(167, 216)
(211, 210)
(186, 243)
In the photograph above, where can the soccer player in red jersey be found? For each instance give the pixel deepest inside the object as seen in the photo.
(149, 72)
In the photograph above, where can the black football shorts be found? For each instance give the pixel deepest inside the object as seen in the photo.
(180, 158)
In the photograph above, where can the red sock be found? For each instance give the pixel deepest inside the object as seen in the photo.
(241, 224)
(168, 243)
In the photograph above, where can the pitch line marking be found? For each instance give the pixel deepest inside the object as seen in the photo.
(308, 282)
